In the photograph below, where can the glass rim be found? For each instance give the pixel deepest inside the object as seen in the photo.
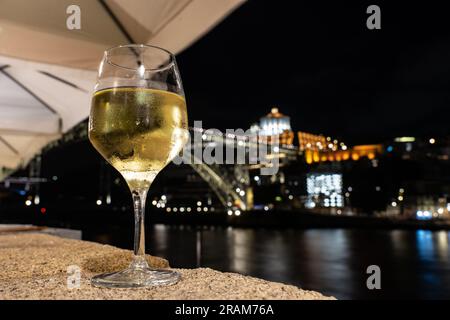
(168, 65)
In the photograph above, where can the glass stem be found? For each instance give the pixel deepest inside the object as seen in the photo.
(139, 197)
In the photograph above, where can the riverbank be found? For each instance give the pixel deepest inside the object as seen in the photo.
(81, 218)
(296, 219)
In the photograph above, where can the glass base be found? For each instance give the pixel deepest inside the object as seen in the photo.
(135, 278)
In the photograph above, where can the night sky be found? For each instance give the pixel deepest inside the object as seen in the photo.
(318, 63)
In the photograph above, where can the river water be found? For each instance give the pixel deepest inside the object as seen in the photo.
(413, 264)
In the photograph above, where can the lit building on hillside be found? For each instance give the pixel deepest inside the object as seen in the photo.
(369, 151)
(311, 141)
(324, 190)
(274, 123)
(274, 127)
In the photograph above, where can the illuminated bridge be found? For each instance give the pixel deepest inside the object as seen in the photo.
(230, 180)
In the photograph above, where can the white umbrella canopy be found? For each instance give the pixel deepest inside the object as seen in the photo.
(47, 72)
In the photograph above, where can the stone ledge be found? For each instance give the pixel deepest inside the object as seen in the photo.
(34, 266)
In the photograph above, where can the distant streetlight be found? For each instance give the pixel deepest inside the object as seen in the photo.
(432, 141)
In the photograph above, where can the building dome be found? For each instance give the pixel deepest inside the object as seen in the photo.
(274, 123)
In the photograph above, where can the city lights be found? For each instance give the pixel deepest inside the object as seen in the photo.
(432, 141)
(423, 215)
(405, 139)
(28, 202)
(274, 123)
(99, 202)
(324, 190)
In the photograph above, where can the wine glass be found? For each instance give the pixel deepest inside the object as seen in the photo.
(138, 123)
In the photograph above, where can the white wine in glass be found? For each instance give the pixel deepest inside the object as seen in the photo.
(138, 123)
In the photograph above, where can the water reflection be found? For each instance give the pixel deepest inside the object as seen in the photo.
(432, 245)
